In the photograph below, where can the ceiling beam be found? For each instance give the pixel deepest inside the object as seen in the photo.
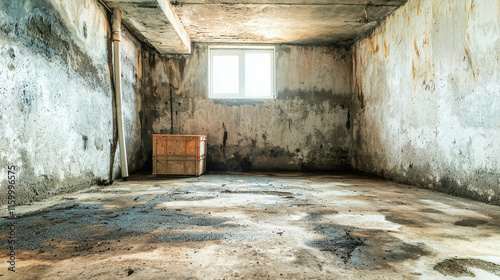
(292, 2)
(156, 21)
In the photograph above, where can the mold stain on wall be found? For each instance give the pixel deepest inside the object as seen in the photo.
(57, 115)
(304, 128)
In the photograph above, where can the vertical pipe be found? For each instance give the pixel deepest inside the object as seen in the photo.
(116, 28)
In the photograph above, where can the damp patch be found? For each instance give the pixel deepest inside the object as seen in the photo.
(470, 223)
(460, 267)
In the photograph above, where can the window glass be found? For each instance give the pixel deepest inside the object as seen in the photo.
(226, 74)
(241, 72)
(258, 74)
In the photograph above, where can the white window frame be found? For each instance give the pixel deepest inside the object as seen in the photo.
(241, 51)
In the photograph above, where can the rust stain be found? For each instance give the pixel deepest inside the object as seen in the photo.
(470, 63)
(471, 8)
(413, 70)
(416, 48)
(418, 9)
(408, 19)
(374, 44)
(385, 50)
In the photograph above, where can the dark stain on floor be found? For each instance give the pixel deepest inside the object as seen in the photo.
(430, 210)
(459, 267)
(84, 222)
(470, 223)
(311, 216)
(400, 221)
(364, 248)
(141, 222)
(189, 237)
(338, 241)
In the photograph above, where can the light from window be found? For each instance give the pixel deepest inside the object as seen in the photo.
(226, 74)
(241, 73)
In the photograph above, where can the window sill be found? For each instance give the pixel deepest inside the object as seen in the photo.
(240, 101)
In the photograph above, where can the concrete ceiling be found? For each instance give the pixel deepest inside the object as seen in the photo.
(155, 22)
(170, 26)
(281, 21)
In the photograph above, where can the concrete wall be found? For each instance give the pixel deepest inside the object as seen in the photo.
(305, 128)
(56, 120)
(427, 98)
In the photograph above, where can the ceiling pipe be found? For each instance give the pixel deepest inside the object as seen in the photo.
(116, 37)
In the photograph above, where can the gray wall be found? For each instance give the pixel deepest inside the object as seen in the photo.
(305, 128)
(56, 120)
(423, 109)
(427, 98)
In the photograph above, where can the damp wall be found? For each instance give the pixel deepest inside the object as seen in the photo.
(305, 128)
(426, 101)
(56, 113)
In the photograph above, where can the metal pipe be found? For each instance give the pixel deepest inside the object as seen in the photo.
(116, 36)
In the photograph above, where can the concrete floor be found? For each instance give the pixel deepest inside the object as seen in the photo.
(256, 226)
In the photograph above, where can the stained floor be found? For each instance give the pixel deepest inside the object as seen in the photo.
(255, 226)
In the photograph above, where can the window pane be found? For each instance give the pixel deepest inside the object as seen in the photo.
(225, 76)
(258, 74)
